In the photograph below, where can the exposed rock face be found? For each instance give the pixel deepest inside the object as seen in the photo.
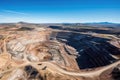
(116, 43)
(94, 50)
(42, 54)
(18, 45)
(17, 74)
(31, 47)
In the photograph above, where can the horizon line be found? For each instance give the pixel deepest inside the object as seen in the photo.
(61, 22)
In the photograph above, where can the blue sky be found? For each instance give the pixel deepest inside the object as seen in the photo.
(59, 11)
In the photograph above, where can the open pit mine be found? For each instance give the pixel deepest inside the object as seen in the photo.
(44, 52)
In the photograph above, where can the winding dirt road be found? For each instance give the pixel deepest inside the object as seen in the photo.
(57, 69)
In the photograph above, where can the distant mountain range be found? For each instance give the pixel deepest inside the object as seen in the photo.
(95, 24)
(104, 24)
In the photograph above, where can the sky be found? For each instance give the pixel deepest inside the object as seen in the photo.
(59, 11)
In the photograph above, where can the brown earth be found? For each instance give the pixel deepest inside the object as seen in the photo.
(44, 54)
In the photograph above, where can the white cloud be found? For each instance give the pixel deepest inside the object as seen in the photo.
(14, 12)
